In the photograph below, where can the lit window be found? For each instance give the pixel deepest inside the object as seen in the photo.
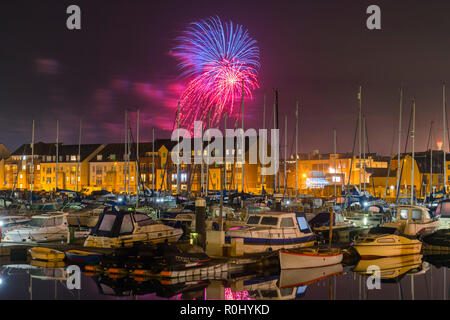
(73, 158)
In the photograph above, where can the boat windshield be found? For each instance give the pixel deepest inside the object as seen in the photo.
(107, 222)
(403, 214)
(269, 221)
(37, 222)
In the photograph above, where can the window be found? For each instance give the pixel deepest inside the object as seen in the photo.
(112, 157)
(286, 223)
(404, 214)
(269, 221)
(127, 224)
(107, 222)
(303, 224)
(99, 157)
(143, 220)
(253, 220)
(50, 222)
(416, 214)
(73, 158)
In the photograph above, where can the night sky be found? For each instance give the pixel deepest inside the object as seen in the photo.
(316, 51)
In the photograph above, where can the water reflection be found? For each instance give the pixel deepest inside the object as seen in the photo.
(407, 277)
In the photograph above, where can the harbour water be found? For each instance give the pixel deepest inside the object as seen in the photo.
(428, 282)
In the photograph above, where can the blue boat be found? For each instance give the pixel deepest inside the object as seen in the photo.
(84, 257)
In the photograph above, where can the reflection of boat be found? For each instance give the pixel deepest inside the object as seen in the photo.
(47, 264)
(309, 258)
(46, 254)
(273, 231)
(83, 256)
(126, 228)
(49, 273)
(386, 245)
(307, 276)
(413, 221)
(390, 267)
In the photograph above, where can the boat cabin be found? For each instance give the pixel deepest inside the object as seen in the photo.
(413, 220)
(443, 211)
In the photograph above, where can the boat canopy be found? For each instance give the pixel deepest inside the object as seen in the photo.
(443, 209)
(113, 222)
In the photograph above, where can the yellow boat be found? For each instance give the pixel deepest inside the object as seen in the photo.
(46, 254)
(389, 245)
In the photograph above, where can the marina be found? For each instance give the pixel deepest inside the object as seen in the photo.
(208, 153)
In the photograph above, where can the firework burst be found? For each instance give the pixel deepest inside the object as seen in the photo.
(221, 62)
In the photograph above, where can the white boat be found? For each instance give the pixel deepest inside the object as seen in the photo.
(120, 228)
(40, 228)
(309, 258)
(386, 245)
(413, 220)
(273, 231)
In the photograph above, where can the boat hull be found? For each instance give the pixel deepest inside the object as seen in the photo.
(294, 260)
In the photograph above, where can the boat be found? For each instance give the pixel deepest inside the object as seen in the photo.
(46, 254)
(390, 267)
(309, 258)
(123, 228)
(321, 222)
(386, 245)
(413, 221)
(40, 228)
(85, 257)
(271, 231)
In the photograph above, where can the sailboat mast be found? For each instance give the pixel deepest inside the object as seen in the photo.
(178, 148)
(153, 161)
(207, 155)
(285, 154)
(79, 156)
(296, 151)
(431, 158)
(413, 141)
(32, 162)
(364, 152)
(360, 132)
(335, 167)
(243, 140)
(263, 146)
(445, 135)
(399, 139)
(137, 159)
(275, 126)
(225, 156)
(125, 154)
(57, 155)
